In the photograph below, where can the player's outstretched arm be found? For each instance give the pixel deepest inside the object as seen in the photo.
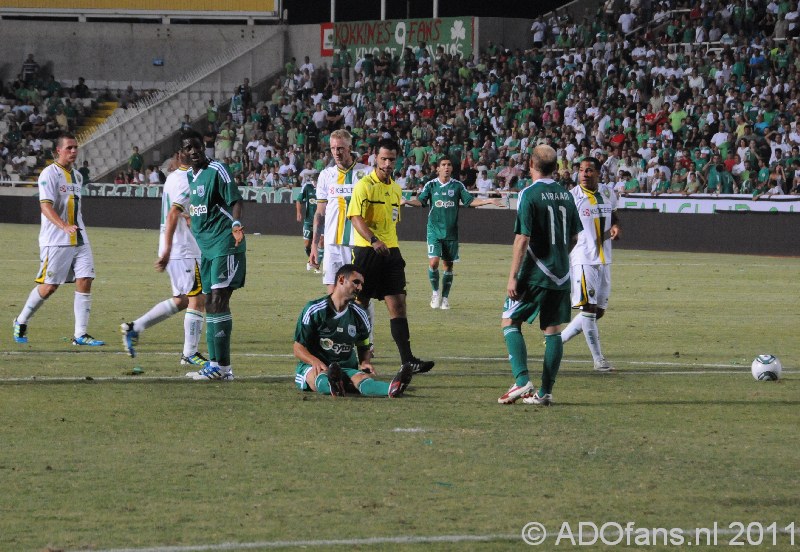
(174, 216)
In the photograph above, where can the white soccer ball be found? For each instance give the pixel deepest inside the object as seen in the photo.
(766, 368)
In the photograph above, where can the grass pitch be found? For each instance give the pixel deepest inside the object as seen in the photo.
(681, 436)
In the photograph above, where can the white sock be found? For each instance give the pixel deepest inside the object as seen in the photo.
(159, 313)
(592, 334)
(192, 331)
(371, 313)
(574, 328)
(82, 307)
(31, 306)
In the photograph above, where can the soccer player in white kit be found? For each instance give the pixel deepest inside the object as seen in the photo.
(179, 256)
(590, 260)
(331, 226)
(64, 249)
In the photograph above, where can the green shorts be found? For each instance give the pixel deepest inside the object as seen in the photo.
(552, 306)
(227, 271)
(303, 368)
(308, 230)
(447, 250)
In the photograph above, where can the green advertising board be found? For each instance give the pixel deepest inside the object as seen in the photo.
(454, 34)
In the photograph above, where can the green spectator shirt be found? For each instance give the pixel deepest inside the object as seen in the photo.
(444, 200)
(546, 213)
(212, 193)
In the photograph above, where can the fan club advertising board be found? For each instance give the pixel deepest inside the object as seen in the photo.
(453, 34)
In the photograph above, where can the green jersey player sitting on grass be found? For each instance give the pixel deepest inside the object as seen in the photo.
(330, 330)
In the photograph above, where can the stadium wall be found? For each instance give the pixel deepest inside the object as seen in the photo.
(726, 232)
(116, 51)
(126, 51)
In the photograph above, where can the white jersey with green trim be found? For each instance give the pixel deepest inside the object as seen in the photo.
(61, 187)
(334, 188)
(594, 209)
(176, 192)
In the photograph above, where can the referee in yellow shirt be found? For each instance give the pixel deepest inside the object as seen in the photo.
(374, 211)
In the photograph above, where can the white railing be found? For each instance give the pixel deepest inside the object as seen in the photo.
(156, 117)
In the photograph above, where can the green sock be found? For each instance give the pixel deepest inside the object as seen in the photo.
(447, 283)
(211, 329)
(433, 276)
(553, 351)
(371, 388)
(323, 385)
(222, 323)
(517, 354)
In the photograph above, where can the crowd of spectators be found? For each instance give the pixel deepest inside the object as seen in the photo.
(673, 97)
(703, 98)
(34, 110)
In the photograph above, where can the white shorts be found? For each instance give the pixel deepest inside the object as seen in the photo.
(336, 256)
(61, 264)
(185, 277)
(591, 285)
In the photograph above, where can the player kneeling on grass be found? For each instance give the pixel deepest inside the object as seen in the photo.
(329, 332)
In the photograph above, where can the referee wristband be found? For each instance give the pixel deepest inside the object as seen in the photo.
(235, 224)
(373, 239)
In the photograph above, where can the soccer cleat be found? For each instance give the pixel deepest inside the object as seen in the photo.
(86, 339)
(445, 305)
(308, 267)
(336, 379)
(401, 380)
(317, 271)
(210, 373)
(435, 300)
(20, 331)
(420, 366)
(516, 392)
(196, 359)
(129, 338)
(603, 365)
(546, 400)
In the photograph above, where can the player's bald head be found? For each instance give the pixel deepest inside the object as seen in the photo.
(543, 159)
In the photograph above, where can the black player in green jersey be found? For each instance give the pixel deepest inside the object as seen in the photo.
(215, 209)
(329, 332)
(444, 194)
(546, 229)
(306, 208)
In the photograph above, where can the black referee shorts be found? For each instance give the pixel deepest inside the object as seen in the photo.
(383, 274)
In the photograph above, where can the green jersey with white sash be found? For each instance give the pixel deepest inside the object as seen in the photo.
(212, 194)
(444, 200)
(332, 336)
(546, 213)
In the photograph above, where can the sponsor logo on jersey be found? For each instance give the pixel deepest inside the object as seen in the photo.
(445, 204)
(336, 348)
(69, 189)
(195, 210)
